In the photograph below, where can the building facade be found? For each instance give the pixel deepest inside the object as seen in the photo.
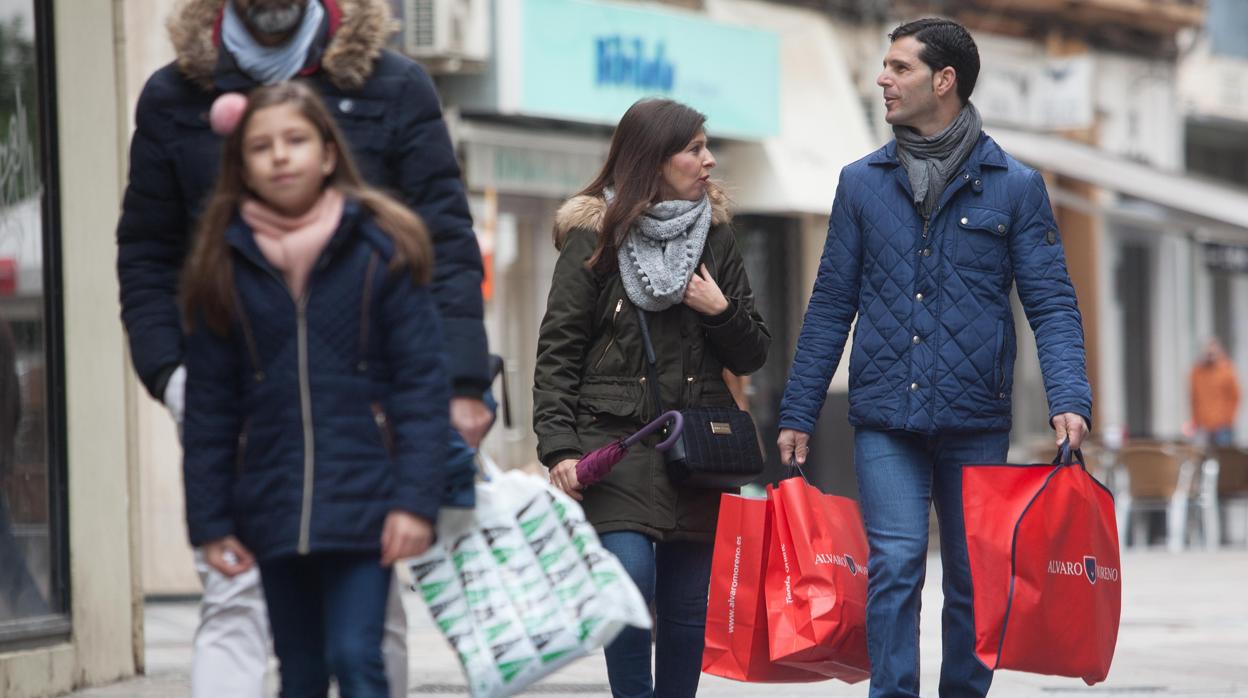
(70, 608)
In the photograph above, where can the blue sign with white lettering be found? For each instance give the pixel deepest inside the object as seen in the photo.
(627, 61)
(589, 61)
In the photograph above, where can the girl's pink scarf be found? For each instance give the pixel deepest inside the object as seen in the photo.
(293, 244)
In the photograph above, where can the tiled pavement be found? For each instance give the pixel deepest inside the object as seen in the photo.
(1184, 633)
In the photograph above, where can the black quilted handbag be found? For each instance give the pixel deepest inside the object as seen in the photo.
(718, 447)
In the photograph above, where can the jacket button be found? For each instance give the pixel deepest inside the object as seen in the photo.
(978, 182)
(919, 296)
(347, 106)
(966, 176)
(1001, 395)
(643, 379)
(964, 220)
(1000, 227)
(914, 387)
(688, 379)
(915, 339)
(927, 252)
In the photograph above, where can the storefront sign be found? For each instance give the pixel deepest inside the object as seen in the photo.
(588, 61)
(1045, 93)
(1226, 258)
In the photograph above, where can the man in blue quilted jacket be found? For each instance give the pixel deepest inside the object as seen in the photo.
(926, 237)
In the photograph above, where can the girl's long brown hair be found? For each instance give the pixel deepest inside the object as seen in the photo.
(207, 286)
(650, 132)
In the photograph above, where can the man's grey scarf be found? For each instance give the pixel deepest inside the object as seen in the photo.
(931, 161)
(268, 65)
(662, 251)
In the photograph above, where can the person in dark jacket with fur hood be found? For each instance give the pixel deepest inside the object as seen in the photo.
(390, 114)
(651, 233)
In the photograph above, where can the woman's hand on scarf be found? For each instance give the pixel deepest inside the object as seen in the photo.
(563, 476)
(703, 294)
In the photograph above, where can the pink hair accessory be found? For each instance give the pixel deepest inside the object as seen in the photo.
(226, 112)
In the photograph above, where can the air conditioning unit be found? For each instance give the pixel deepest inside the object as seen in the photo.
(450, 32)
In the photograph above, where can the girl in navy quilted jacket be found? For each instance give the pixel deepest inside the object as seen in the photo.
(316, 399)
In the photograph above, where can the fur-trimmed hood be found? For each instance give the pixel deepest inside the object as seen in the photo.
(348, 59)
(587, 212)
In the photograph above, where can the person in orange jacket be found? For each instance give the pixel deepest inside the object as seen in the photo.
(1215, 395)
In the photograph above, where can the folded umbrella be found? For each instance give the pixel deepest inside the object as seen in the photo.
(597, 463)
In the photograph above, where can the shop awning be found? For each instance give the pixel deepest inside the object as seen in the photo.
(822, 122)
(1199, 203)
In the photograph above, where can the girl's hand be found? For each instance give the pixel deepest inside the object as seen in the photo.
(404, 535)
(703, 294)
(563, 476)
(228, 556)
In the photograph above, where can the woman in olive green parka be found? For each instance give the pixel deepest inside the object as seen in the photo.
(651, 231)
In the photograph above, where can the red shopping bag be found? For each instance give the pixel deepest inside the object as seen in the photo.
(1043, 548)
(736, 615)
(816, 582)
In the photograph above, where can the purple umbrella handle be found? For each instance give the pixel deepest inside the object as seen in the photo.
(678, 424)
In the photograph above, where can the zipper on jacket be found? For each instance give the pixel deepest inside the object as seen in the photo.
(305, 407)
(365, 307)
(619, 305)
(383, 426)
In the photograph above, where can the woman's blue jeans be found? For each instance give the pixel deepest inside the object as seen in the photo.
(327, 612)
(675, 576)
(900, 475)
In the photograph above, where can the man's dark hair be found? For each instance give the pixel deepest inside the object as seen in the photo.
(945, 44)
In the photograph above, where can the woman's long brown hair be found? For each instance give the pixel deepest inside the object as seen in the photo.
(650, 132)
(207, 287)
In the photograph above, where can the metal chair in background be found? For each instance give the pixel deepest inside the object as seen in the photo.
(1158, 476)
(1223, 491)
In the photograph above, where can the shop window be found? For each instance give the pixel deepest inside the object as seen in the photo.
(32, 531)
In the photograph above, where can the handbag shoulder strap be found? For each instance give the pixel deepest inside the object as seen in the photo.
(652, 373)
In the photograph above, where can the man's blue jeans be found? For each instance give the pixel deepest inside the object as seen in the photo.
(327, 612)
(900, 475)
(676, 577)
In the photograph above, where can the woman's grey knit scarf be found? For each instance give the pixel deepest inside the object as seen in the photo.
(269, 65)
(931, 161)
(662, 251)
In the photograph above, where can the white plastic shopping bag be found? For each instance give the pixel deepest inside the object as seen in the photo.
(521, 585)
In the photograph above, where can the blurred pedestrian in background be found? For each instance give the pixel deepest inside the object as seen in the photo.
(926, 237)
(391, 117)
(317, 399)
(651, 233)
(1215, 395)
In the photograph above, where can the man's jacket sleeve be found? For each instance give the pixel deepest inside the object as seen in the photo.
(151, 246)
(833, 305)
(429, 181)
(1048, 297)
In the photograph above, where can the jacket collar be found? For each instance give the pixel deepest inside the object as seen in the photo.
(358, 30)
(587, 212)
(985, 154)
